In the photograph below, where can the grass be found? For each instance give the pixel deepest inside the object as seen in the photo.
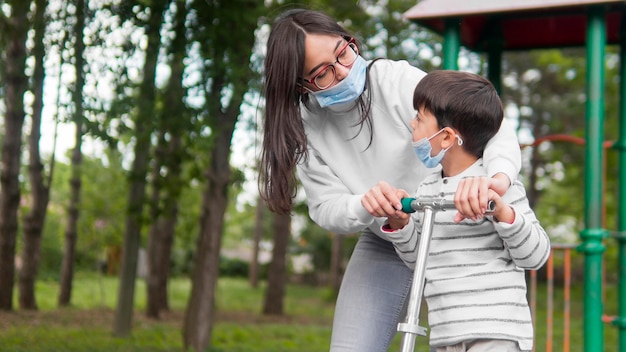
(87, 325)
(239, 326)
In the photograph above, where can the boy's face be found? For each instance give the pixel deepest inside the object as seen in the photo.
(424, 125)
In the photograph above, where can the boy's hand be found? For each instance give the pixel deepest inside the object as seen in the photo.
(472, 195)
(383, 200)
(396, 223)
(503, 211)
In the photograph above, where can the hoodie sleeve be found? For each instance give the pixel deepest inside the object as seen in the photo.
(503, 153)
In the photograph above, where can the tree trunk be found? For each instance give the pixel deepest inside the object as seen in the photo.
(16, 82)
(336, 260)
(143, 130)
(166, 189)
(200, 312)
(277, 273)
(253, 274)
(159, 249)
(40, 190)
(156, 235)
(71, 232)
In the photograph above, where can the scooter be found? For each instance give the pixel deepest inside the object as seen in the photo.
(410, 327)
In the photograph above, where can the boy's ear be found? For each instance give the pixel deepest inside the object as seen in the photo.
(449, 137)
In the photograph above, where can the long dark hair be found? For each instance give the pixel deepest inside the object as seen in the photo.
(284, 140)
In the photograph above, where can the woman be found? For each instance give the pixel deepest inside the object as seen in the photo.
(344, 124)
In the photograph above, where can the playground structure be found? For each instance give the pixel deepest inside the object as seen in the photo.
(493, 26)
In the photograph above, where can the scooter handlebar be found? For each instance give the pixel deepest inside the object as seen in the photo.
(411, 205)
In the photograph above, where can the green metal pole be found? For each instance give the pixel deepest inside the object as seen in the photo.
(620, 322)
(593, 234)
(494, 57)
(451, 44)
(494, 67)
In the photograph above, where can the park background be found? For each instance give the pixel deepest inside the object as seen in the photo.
(129, 201)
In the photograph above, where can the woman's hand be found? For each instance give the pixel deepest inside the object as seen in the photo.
(383, 200)
(472, 195)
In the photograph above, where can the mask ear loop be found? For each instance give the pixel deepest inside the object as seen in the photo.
(302, 89)
(459, 141)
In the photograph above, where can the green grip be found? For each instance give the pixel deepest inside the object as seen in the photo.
(406, 205)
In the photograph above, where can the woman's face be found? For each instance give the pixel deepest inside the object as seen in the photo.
(321, 51)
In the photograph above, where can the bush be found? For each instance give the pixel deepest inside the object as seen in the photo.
(233, 267)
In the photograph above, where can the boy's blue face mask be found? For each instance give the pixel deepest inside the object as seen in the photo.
(423, 149)
(347, 90)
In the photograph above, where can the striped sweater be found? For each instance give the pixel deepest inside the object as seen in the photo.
(475, 284)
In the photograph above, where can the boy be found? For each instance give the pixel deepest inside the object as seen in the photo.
(475, 284)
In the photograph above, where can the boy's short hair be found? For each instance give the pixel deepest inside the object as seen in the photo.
(464, 101)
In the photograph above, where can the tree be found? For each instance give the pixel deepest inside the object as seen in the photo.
(40, 187)
(336, 263)
(253, 274)
(277, 273)
(166, 173)
(137, 178)
(226, 50)
(71, 233)
(14, 30)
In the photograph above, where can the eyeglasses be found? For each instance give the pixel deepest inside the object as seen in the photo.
(327, 75)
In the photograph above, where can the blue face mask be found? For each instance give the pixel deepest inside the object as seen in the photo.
(423, 149)
(347, 90)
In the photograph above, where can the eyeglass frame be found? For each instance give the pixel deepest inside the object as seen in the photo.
(354, 48)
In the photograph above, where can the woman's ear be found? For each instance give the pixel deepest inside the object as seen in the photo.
(302, 89)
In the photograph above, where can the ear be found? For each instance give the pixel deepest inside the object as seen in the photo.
(449, 137)
(302, 89)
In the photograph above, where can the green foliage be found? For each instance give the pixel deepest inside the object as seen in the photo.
(318, 242)
(102, 211)
(233, 267)
(187, 229)
(51, 249)
(379, 27)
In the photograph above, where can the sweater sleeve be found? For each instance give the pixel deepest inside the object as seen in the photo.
(405, 242)
(525, 238)
(503, 153)
(331, 204)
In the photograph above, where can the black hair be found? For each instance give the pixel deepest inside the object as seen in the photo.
(464, 101)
